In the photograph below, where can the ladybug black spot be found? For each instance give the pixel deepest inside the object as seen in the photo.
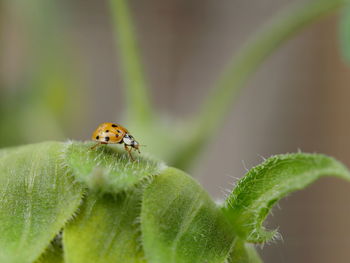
(106, 138)
(97, 137)
(114, 125)
(107, 131)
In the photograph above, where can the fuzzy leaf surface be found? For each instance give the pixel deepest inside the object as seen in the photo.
(257, 192)
(180, 223)
(38, 195)
(53, 253)
(105, 230)
(244, 253)
(108, 168)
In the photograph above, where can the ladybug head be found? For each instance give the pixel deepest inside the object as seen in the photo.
(130, 141)
(135, 145)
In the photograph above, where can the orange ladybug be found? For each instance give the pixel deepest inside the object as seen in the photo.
(109, 132)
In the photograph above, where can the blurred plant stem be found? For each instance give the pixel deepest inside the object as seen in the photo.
(138, 105)
(212, 113)
(218, 103)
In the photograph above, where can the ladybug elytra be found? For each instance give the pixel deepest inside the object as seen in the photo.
(111, 133)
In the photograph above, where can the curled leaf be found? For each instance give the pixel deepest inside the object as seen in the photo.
(256, 193)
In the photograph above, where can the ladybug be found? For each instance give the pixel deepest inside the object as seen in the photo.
(109, 132)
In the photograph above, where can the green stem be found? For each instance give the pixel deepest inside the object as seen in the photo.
(252, 55)
(242, 66)
(138, 104)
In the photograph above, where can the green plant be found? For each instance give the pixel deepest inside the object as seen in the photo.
(110, 209)
(63, 202)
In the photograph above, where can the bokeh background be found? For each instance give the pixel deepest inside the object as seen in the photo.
(60, 77)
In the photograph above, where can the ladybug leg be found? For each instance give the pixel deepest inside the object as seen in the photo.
(97, 144)
(129, 152)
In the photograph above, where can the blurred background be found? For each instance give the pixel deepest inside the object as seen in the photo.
(60, 77)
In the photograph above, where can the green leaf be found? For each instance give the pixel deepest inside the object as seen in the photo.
(6, 151)
(180, 222)
(37, 196)
(344, 33)
(108, 168)
(105, 230)
(244, 253)
(256, 193)
(53, 253)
